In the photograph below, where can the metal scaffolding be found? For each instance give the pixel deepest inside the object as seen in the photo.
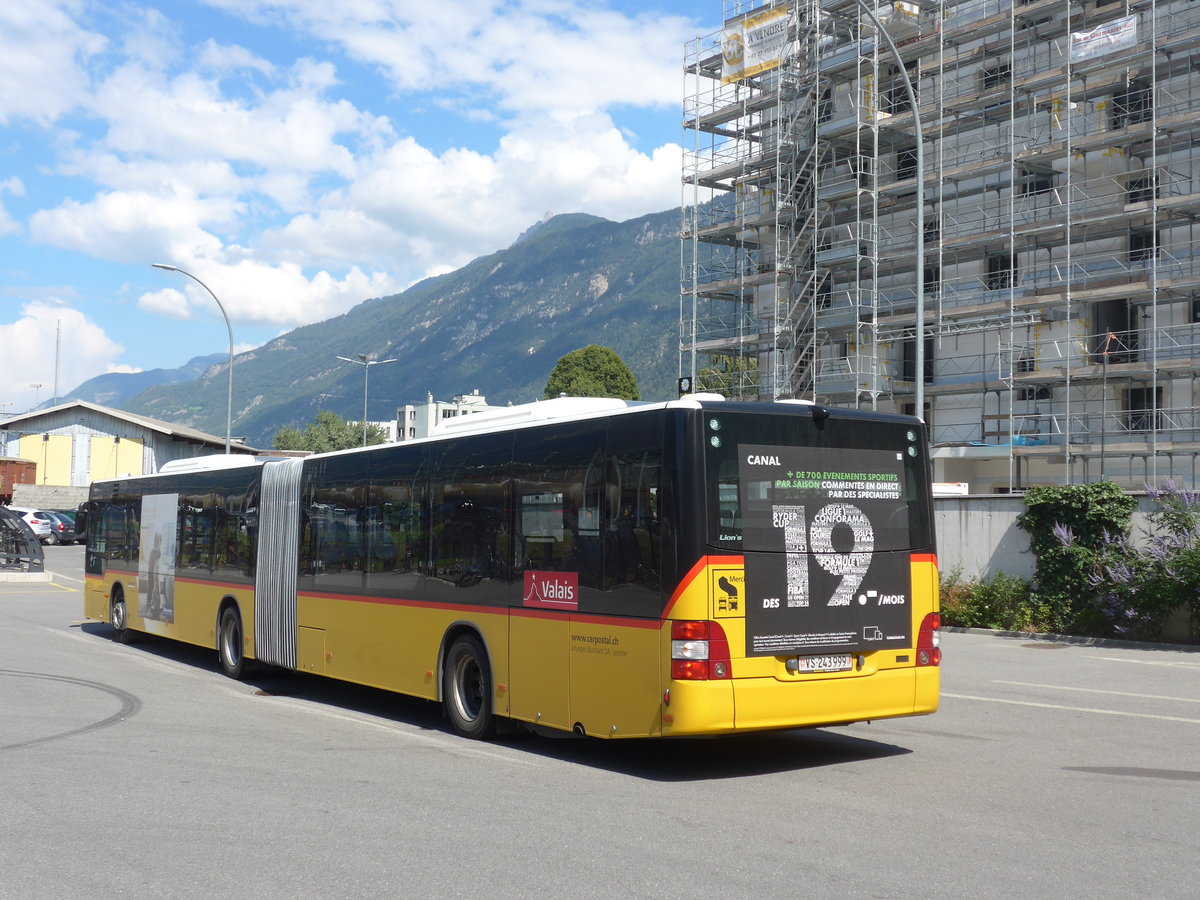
(1061, 278)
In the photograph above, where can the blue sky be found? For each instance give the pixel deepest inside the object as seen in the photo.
(300, 156)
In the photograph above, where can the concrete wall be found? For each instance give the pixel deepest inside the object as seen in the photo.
(978, 535)
(48, 496)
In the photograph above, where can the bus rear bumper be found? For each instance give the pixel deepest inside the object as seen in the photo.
(761, 704)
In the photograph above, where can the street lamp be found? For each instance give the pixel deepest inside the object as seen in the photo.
(229, 328)
(919, 337)
(366, 364)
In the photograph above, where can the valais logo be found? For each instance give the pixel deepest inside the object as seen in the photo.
(552, 590)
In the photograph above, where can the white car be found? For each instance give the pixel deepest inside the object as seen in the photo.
(42, 526)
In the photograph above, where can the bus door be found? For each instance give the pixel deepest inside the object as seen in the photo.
(615, 633)
(557, 477)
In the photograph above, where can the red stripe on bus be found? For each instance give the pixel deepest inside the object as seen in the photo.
(701, 566)
(924, 558)
(623, 621)
(528, 612)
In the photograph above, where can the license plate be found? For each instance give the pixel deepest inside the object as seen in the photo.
(838, 662)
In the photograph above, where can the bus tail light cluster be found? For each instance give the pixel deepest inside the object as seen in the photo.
(699, 651)
(929, 651)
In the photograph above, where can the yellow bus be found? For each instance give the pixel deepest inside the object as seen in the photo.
(614, 569)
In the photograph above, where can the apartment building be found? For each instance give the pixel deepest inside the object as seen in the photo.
(1041, 278)
(421, 420)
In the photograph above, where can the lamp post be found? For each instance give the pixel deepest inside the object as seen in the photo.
(919, 337)
(366, 364)
(229, 328)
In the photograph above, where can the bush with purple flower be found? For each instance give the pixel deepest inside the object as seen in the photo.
(1139, 584)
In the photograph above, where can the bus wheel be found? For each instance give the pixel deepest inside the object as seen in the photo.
(467, 688)
(119, 616)
(229, 644)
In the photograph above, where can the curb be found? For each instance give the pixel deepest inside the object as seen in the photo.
(1116, 643)
(26, 577)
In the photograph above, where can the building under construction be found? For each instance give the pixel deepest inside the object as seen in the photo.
(1056, 218)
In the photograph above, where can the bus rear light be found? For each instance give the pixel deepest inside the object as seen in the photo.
(929, 651)
(689, 670)
(689, 631)
(699, 651)
(689, 649)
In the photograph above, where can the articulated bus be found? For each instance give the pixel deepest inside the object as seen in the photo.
(693, 567)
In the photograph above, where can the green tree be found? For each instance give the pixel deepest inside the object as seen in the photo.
(289, 438)
(327, 432)
(592, 371)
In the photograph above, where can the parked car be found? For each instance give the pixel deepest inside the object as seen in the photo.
(39, 522)
(72, 535)
(62, 529)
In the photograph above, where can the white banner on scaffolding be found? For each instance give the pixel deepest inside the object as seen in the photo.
(1118, 34)
(754, 45)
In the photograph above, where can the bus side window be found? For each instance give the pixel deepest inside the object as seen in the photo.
(559, 478)
(118, 527)
(234, 532)
(335, 522)
(195, 530)
(633, 546)
(470, 531)
(398, 521)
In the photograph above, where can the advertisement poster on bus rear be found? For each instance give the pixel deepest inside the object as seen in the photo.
(826, 537)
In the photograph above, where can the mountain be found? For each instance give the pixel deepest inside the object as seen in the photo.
(498, 325)
(116, 389)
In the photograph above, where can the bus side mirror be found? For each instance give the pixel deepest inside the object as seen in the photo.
(81, 515)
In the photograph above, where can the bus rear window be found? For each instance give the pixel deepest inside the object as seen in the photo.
(834, 485)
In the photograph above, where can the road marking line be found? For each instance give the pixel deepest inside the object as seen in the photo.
(1083, 709)
(1061, 687)
(1143, 662)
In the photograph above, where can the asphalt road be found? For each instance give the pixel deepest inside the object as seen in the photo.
(1052, 770)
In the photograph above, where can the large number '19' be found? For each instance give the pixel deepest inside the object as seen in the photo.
(850, 564)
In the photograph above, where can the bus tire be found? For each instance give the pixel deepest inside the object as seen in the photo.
(229, 643)
(467, 688)
(119, 617)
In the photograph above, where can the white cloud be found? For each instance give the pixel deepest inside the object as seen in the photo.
(29, 347)
(42, 72)
(135, 226)
(8, 225)
(448, 209)
(230, 58)
(188, 118)
(167, 302)
(528, 55)
(255, 293)
(122, 369)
